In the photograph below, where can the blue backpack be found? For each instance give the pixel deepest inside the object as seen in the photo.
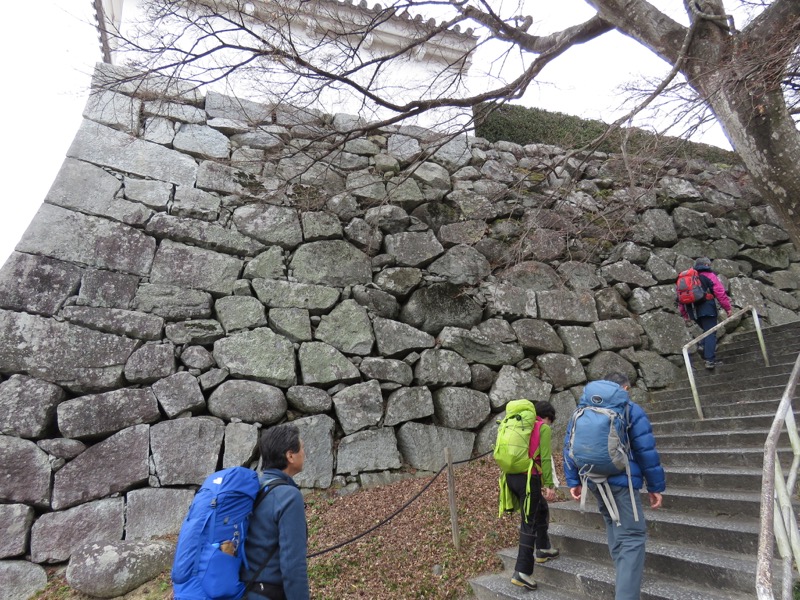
(598, 439)
(210, 550)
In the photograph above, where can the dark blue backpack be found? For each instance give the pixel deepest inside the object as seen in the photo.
(210, 551)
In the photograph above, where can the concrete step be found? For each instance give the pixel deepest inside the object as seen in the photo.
(498, 585)
(717, 386)
(712, 502)
(741, 408)
(715, 478)
(703, 531)
(724, 572)
(714, 439)
(772, 336)
(714, 425)
(715, 457)
(566, 578)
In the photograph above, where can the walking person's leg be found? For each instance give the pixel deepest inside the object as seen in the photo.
(627, 544)
(523, 569)
(710, 342)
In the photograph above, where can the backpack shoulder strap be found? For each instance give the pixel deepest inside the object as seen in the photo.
(266, 489)
(262, 493)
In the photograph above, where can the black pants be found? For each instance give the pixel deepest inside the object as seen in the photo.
(527, 529)
(541, 522)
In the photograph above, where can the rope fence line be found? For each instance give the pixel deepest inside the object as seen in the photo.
(395, 513)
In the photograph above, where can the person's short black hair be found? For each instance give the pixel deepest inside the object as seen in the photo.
(545, 410)
(619, 378)
(275, 442)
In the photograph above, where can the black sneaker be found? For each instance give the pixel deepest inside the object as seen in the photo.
(545, 554)
(525, 581)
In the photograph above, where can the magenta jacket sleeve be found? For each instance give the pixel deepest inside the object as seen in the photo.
(719, 291)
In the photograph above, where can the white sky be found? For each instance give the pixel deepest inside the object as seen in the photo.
(50, 48)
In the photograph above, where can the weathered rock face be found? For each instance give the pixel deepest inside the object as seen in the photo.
(174, 296)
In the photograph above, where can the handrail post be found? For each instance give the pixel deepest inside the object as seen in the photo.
(692, 383)
(760, 334)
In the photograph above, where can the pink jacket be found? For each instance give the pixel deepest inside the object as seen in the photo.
(719, 293)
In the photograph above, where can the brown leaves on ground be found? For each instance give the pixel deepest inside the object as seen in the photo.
(413, 555)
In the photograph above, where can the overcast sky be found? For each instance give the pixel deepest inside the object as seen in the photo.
(50, 48)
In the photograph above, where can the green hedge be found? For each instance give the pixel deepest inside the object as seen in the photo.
(522, 125)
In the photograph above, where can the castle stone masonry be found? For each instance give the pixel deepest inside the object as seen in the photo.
(192, 278)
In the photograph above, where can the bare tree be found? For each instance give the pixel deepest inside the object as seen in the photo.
(747, 77)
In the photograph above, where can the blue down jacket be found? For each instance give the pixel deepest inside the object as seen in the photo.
(645, 462)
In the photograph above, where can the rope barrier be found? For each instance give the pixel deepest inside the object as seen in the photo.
(395, 513)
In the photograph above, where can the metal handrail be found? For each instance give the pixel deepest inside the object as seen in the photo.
(688, 362)
(778, 522)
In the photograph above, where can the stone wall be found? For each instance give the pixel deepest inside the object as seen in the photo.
(203, 268)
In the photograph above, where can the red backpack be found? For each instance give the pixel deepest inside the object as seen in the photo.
(690, 289)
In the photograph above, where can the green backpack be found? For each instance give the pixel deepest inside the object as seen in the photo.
(514, 436)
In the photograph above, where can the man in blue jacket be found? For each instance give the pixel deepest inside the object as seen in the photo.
(626, 540)
(277, 537)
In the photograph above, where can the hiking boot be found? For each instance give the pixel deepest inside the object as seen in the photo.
(523, 580)
(545, 554)
(711, 364)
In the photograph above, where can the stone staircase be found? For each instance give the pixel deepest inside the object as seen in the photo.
(702, 544)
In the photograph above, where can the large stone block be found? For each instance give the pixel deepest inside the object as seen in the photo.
(179, 393)
(442, 367)
(316, 299)
(260, 355)
(478, 348)
(100, 145)
(269, 224)
(88, 189)
(460, 408)
(56, 535)
(107, 289)
(395, 338)
(153, 512)
(37, 284)
(413, 249)
(113, 320)
(74, 237)
(68, 355)
(211, 236)
(89, 476)
(359, 406)
(440, 305)
(347, 328)
(28, 406)
(374, 450)
(321, 364)
(21, 579)
(113, 569)
(150, 363)
(317, 435)
(564, 306)
(250, 401)
(186, 451)
(241, 442)
(513, 383)
(15, 533)
(407, 404)
(173, 302)
(190, 267)
(99, 415)
(331, 262)
(422, 446)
